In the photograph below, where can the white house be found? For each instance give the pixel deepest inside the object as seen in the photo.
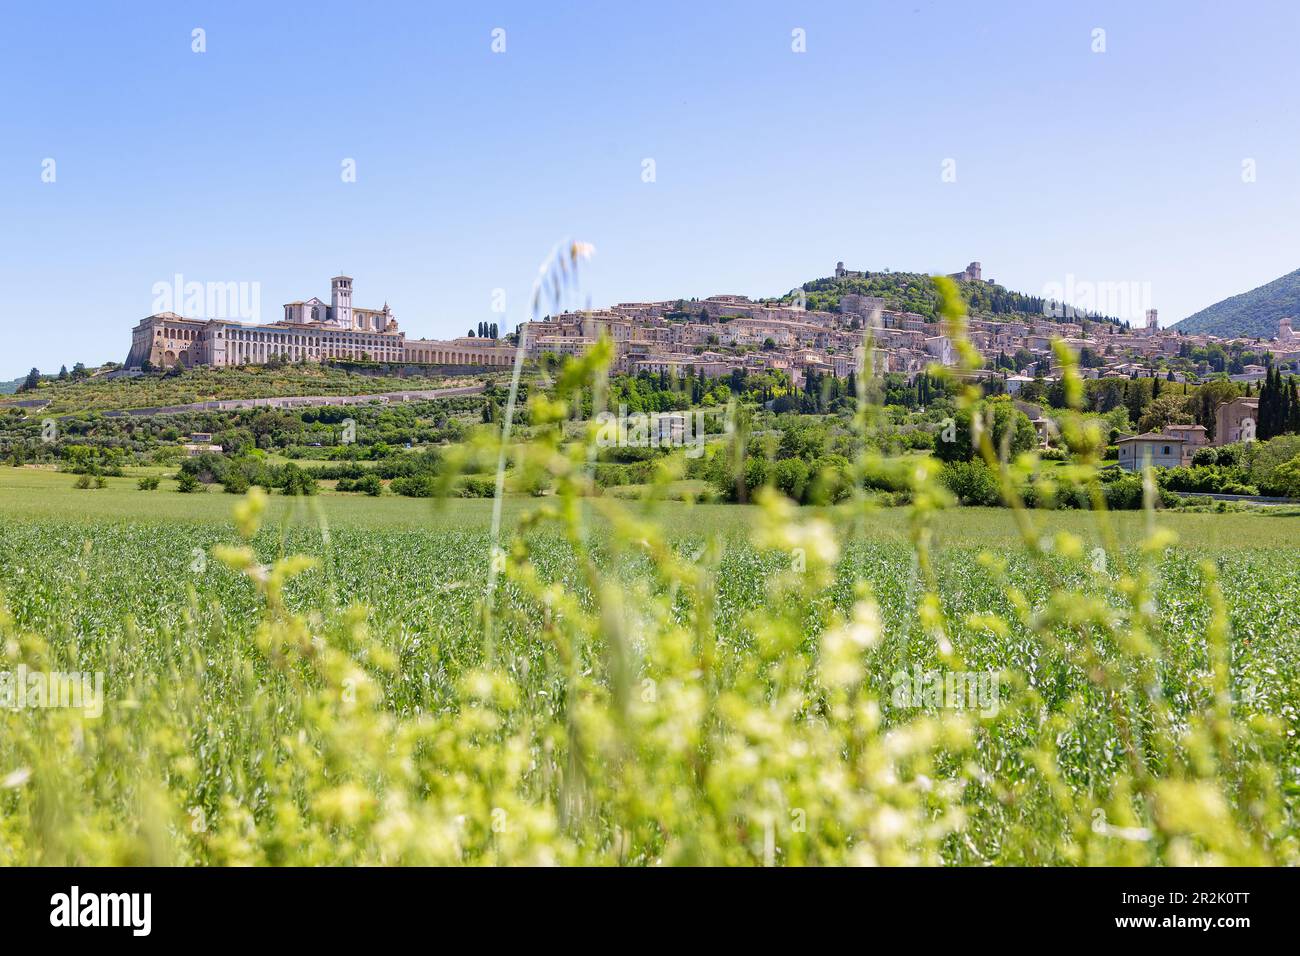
(1152, 448)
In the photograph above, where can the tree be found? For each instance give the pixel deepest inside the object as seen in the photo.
(1165, 410)
(1108, 394)
(63, 373)
(1207, 400)
(1005, 422)
(1274, 406)
(1286, 477)
(32, 381)
(295, 481)
(1137, 396)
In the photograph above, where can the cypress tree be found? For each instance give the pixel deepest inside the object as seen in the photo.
(1262, 426)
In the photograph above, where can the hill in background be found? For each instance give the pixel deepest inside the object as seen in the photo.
(1252, 314)
(916, 292)
(8, 388)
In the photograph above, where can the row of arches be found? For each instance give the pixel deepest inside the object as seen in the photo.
(453, 356)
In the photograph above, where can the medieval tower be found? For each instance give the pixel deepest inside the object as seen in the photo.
(341, 300)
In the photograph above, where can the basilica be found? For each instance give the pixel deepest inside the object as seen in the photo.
(311, 331)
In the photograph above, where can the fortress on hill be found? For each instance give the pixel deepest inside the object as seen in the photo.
(311, 330)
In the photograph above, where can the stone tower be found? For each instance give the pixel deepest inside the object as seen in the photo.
(341, 300)
(1152, 323)
(1284, 332)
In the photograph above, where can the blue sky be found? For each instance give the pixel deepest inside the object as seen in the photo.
(1117, 167)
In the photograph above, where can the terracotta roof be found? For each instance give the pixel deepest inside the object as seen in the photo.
(1149, 436)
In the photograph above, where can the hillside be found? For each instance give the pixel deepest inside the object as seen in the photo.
(1252, 314)
(8, 388)
(181, 387)
(916, 292)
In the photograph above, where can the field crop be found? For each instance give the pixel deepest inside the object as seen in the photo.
(345, 681)
(710, 696)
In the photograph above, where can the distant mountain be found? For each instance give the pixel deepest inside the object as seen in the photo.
(1252, 314)
(8, 388)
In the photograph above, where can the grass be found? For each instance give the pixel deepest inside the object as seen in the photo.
(41, 494)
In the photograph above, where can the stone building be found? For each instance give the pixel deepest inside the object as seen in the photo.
(1236, 420)
(1193, 437)
(311, 331)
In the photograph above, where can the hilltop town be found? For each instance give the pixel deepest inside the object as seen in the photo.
(714, 336)
(823, 328)
(826, 329)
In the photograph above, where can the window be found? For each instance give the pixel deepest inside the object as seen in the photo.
(1166, 451)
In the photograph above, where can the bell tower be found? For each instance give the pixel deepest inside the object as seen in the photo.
(341, 300)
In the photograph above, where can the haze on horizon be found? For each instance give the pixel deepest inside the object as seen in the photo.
(1166, 159)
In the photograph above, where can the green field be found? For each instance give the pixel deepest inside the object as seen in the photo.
(43, 494)
(706, 698)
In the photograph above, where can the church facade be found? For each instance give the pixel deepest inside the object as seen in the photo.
(311, 331)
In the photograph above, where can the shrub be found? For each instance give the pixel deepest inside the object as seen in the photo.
(236, 482)
(791, 477)
(188, 483)
(1124, 494)
(148, 483)
(295, 481)
(414, 486)
(918, 439)
(477, 486)
(1209, 479)
(971, 482)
